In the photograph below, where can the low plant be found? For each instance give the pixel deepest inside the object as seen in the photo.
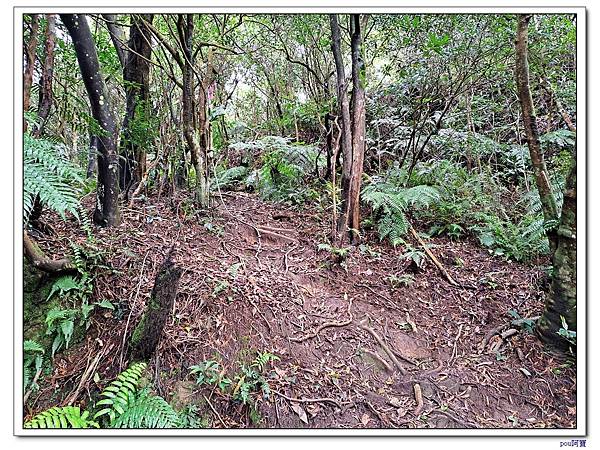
(123, 404)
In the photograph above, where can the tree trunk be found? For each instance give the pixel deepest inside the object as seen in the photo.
(562, 299)
(29, 65)
(346, 129)
(46, 99)
(136, 74)
(358, 131)
(117, 35)
(542, 180)
(92, 157)
(186, 29)
(107, 193)
(146, 336)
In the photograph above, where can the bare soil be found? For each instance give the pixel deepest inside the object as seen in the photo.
(254, 280)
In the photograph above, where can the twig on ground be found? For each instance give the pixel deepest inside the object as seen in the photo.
(35, 378)
(494, 331)
(131, 312)
(215, 411)
(455, 344)
(378, 358)
(418, 399)
(437, 263)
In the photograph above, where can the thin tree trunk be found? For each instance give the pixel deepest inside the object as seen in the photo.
(107, 192)
(346, 129)
(186, 29)
(92, 157)
(542, 180)
(29, 65)
(117, 35)
(562, 299)
(46, 99)
(136, 74)
(358, 130)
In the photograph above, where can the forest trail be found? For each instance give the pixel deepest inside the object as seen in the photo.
(255, 280)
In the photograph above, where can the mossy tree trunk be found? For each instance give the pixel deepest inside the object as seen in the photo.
(147, 333)
(562, 299)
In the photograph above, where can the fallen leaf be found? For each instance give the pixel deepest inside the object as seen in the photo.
(525, 371)
(365, 419)
(301, 413)
(395, 402)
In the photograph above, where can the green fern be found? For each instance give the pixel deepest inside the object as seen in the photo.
(49, 175)
(33, 357)
(392, 202)
(62, 417)
(226, 177)
(124, 406)
(120, 393)
(147, 411)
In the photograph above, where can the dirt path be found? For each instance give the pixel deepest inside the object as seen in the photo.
(354, 338)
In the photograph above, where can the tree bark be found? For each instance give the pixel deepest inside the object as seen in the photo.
(346, 128)
(46, 99)
(562, 299)
(92, 157)
(148, 332)
(117, 35)
(39, 259)
(136, 74)
(29, 65)
(186, 30)
(358, 131)
(107, 193)
(542, 180)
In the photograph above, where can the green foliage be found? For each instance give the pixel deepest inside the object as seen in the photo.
(211, 373)
(283, 168)
(120, 393)
(392, 202)
(33, 357)
(146, 411)
(62, 417)
(404, 280)
(226, 178)
(123, 405)
(60, 323)
(244, 384)
(340, 252)
(47, 173)
(569, 335)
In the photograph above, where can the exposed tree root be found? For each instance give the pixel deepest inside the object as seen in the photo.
(309, 400)
(384, 346)
(39, 259)
(326, 325)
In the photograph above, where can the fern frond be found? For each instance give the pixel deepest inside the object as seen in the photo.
(227, 177)
(147, 411)
(120, 393)
(61, 417)
(49, 175)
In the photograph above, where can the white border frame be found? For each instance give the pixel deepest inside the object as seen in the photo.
(582, 404)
